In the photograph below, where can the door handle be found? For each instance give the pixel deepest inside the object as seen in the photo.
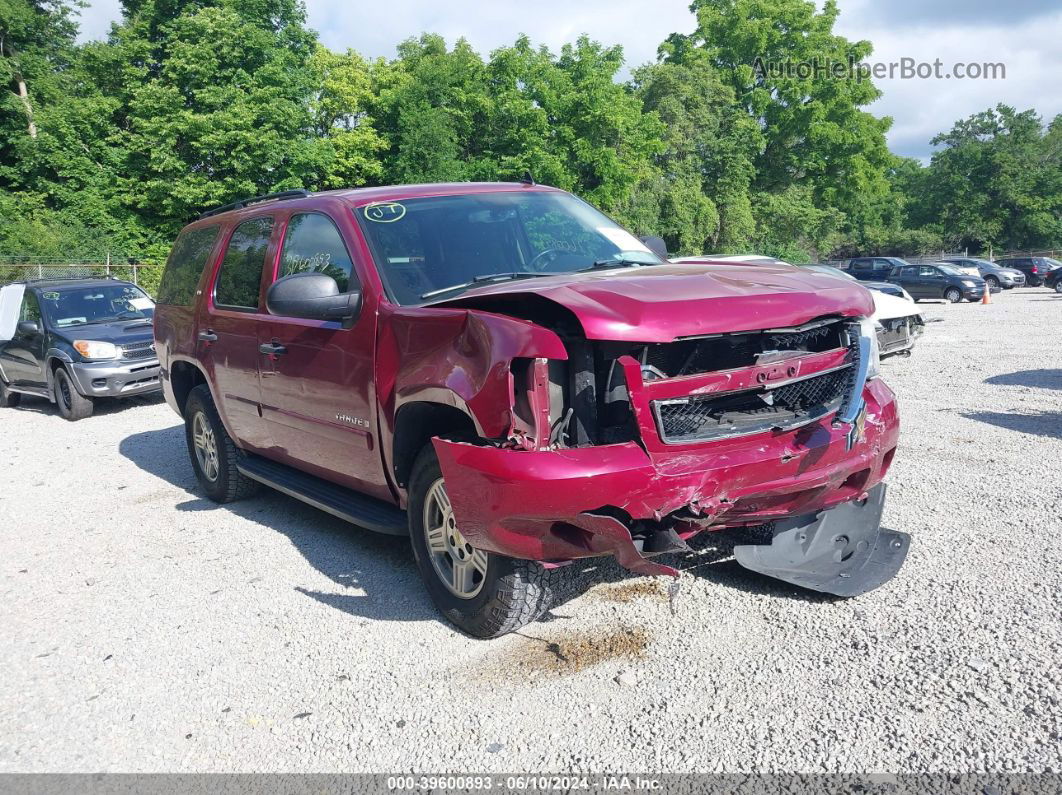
(272, 349)
(208, 335)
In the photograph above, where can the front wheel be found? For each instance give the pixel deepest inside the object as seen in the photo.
(991, 282)
(953, 295)
(482, 593)
(72, 404)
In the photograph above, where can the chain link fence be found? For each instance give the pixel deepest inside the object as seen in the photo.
(17, 269)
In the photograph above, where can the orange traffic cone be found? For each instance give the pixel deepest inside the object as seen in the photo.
(987, 297)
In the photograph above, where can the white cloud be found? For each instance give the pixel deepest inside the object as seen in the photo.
(922, 108)
(1027, 44)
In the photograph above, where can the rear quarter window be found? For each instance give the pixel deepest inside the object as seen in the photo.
(185, 265)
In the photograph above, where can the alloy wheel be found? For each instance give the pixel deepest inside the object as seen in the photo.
(206, 446)
(459, 566)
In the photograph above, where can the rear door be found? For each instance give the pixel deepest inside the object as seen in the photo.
(907, 277)
(23, 354)
(228, 331)
(317, 376)
(861, 269)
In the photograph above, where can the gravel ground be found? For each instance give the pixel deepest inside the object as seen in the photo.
(146, 629)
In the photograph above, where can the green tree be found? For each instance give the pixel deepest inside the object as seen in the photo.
(779, 57)
(997, 180)
(346, 86)
(213, 102)
(700, 193)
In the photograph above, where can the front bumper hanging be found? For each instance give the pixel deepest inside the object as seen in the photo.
(843, 551)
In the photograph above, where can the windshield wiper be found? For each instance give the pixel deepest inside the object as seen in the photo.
(615, 262)
(486, 277)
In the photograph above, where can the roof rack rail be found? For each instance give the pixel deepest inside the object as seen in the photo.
(33, 279)
(298, 193)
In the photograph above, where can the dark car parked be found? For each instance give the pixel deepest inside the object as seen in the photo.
(832, 270)
(996, 276)
(1036, 269)
(73, 341)
(938, 280)
(874, 269)
(1054, 280)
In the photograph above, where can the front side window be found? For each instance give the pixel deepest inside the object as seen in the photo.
(109, 303)
(240, 275)
(434, 248)
(312, 243)
(30, 309)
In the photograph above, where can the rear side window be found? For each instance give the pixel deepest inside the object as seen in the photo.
(240, 274)
(185, 265)
(313, 243)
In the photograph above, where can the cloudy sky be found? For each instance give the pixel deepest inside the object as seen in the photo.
(1024, 35)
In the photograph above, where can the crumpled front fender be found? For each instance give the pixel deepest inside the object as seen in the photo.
(558, 505)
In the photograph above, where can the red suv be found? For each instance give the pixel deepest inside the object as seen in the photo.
(515, 381)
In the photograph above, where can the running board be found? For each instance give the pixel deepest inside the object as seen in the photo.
(354, 507)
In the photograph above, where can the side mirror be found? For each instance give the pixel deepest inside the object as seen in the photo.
(656, 245)
(312, 295)
(28, 328)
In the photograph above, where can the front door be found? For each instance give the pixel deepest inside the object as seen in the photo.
(933, 282)
(23, 355)
(317, 376)
(228, 332)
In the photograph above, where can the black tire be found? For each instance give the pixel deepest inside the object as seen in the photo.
(72, 404)
(8, 399)
(512, 593)
(1058, 286)
(953, 295)
(228, 484)
(991, 282)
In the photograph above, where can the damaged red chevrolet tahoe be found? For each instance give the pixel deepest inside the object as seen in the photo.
(517, 382)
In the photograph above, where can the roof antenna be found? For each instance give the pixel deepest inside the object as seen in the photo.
(527, 179)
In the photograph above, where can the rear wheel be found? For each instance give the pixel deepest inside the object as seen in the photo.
(1058, 285)
(72, 404)
(8, 399)
(953, 294)
(482, 593)
(214, 455)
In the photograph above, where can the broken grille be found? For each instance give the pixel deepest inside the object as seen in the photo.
(753, 411)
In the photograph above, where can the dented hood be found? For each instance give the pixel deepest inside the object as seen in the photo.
(660, 303)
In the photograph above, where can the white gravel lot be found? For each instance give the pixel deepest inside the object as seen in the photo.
(146, 629)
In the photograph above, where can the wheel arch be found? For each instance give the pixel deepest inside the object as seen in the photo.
(184, 376)
(416, 423)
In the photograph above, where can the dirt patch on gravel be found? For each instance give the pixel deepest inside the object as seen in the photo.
(536, 653)
(632, 590)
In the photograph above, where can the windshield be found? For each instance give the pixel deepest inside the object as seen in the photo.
(1054, 263)
(102, 304)
(425, 247)
(952, 270)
